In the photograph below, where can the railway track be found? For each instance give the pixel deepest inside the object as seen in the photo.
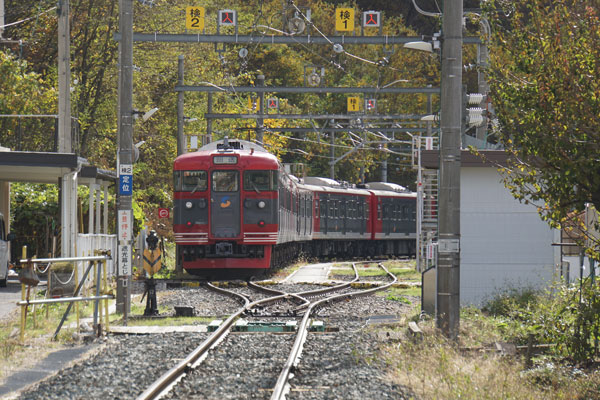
(305, 303)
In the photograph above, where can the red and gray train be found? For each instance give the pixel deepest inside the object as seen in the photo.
(236, 208)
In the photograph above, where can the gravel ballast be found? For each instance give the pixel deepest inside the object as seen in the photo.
(340, 364)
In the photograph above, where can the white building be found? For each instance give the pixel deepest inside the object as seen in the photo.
(504, 243)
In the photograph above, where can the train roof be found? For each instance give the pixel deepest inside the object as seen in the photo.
(225, 144)
(248, 152)
(391, 187)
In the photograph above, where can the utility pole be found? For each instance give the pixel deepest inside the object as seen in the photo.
(448, 265)
(180, 137)
(125, 158)
(64, 78)
(260, 126)
(209, 102)
(332, 155)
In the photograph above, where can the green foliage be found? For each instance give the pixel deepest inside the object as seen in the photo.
(25, 92)
(35, 215)
(395, 297)
(544, 83)
(29, 86)
(568, 316)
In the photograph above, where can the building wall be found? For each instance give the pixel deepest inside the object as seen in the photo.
(504, 244)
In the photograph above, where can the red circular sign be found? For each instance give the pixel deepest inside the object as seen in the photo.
(163, 213)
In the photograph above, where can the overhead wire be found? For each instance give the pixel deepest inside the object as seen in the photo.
(27, 19)
(331, 42)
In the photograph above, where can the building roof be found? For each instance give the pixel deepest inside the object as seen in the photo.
(41, 167)
(487, 158)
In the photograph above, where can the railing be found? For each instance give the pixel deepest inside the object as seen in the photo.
(88, 243)
(100, 272)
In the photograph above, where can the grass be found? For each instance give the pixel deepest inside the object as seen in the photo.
(404, 270)
(436, 368)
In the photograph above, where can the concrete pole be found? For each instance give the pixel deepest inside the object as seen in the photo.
(448, 266)
(260, 126)
(1, 18)
(64, 78)
(332, 155)
(209, 104)
(180, 138)
(125, 136)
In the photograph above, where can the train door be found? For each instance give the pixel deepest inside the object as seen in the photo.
(343, 213)
(298, 204)
(324, 213)
(225, 204)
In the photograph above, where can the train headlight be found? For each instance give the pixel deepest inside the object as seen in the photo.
(261, 223)
(189, 224)
(188, 204)
(261, 204)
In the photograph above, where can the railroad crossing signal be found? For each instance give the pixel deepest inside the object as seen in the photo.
(353, 104)
(370, 104)
(344, 19)
(227, 18)
(194, 18)
(273, 103)
(152, 261)
(371, 19)
(252, 103)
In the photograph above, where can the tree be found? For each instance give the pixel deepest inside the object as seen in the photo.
(544, 78)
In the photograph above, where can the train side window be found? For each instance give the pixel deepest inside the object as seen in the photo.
(274, 179)
(191, 181)
(225, 181)
(379, 211)
(257, 180)
(177, 181)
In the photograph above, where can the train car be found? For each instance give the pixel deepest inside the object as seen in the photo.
(235, 207)
(394, 219)
(342, 219)
(226, 206)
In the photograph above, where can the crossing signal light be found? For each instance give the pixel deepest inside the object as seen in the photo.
(370, 104)
(371, 19)
(227, 18)
(273, 103)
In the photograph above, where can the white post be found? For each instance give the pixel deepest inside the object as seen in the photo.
(97, 226)
(92, 188)
(105, 215)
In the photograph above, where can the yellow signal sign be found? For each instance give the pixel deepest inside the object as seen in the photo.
(353, 104)
(253, 103)
(344, 19)
(194, 18)
(152, 261)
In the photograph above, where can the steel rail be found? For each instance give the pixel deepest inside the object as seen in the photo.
(278, 292)
(282, 386)
(166, 381)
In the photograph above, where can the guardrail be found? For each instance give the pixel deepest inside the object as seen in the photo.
(101, 280)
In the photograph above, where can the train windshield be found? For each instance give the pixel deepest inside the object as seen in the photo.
(260, 180)
(190, 181)
(225, 181)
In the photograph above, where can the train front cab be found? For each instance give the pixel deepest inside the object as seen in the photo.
(229, 218)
